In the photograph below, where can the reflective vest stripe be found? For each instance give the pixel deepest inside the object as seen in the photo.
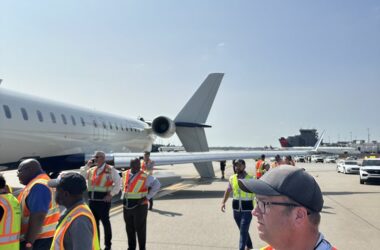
(7, 216)
(9, 238)
(102, 182)
(52, 215)
(238, 194)
(59, 236)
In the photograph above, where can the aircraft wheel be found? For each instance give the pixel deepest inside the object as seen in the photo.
(361, 181)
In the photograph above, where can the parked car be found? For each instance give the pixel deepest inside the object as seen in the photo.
(348, 167)
(299, 158)
(330, 159)
(370, 170)
(317, 158)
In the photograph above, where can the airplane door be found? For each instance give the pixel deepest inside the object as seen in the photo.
(95, 128)
(104, 132)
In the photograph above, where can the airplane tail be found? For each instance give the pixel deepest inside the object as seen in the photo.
(190, 121)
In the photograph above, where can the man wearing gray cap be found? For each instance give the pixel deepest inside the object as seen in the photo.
(76, 229)
(288, 206)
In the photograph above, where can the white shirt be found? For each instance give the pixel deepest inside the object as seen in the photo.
(114, 175)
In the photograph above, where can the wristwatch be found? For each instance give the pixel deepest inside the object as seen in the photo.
(28, 245)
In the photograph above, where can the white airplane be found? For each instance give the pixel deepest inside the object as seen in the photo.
(331, 150)
(62, 136)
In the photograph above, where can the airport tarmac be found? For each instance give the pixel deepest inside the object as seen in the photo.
(187, 215)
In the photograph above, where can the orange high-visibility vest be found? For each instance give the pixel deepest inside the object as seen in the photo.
(10, 223)
(102, 182)
(144, 165)
(135, 189)
(259, 168)
(59, 236)
(52, 216)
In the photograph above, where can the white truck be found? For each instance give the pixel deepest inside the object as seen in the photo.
(370, 170)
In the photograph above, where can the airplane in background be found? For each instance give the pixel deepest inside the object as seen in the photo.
(62, 136)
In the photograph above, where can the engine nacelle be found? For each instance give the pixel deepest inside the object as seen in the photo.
(163, 127)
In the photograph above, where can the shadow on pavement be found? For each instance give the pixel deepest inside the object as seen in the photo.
(165, 213)
(193, 194)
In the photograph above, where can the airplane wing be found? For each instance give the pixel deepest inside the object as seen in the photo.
(121, 160)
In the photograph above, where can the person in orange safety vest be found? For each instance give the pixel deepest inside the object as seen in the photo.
(260, 167)
(77, 226)
(103, 182)
(138, 188)
(40, 213)
(147, 166)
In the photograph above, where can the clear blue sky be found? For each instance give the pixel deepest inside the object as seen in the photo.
(288, 64)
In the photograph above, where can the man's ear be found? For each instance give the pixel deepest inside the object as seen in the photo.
(300, 215)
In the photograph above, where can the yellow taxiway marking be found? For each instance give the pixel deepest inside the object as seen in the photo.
(165, 191)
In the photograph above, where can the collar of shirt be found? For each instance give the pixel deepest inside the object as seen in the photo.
(100, 169)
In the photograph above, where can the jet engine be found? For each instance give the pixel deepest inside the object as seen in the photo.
(163, 127)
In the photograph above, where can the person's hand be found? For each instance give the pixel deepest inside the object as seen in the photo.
(142, 201)
(107, 198)
(223, 207)
(90, 163)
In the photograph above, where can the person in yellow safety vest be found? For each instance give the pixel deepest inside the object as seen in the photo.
(76, 229)
(287, 217)
(138, 188)
(40, 213)
(242, 204)
(260, 167)
(103, 182)
(10, 218)
(147, 166)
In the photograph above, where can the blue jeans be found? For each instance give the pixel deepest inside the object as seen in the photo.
(243, 220)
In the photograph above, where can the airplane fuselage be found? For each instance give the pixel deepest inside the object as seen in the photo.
(35, 127)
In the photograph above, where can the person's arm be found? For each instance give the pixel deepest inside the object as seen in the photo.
(116, 185)
(38, 202)
(84, 169)
(36, 220)
(225, 197)
(154, 185)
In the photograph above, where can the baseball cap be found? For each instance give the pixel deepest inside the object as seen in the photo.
(290, 181)
(71, 182)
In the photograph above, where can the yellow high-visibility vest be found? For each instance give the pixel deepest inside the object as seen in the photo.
(10, 223)
(239, 194)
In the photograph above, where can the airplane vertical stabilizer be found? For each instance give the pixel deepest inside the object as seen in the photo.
(190, 122)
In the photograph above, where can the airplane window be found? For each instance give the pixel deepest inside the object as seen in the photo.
(52, 116)
(95, 124)
(73, 121)
(7, 111)
(64, 119)
(39, 114)
(126, 129)
(24, 114)
(82, 121)
(104, 125)
(122, 129)
(110, 125)
(117, 128)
